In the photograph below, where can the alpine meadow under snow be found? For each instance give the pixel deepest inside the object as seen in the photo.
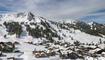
(24, 36)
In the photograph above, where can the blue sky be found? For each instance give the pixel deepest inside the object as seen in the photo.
(84, 10)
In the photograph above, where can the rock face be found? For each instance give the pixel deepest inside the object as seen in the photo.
(30, 16)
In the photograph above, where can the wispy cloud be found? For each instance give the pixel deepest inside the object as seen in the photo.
(74, 9)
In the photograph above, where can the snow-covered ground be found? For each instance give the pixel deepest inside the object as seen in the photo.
(26, 49)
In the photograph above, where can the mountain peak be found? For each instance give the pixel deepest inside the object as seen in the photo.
(20, 17)
(30, 16)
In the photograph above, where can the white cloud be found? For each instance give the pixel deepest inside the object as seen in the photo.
(57, 8)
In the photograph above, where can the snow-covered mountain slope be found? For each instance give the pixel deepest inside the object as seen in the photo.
(30, 31)
(26, 25)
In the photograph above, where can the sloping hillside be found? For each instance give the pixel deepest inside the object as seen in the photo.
(34, 32)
